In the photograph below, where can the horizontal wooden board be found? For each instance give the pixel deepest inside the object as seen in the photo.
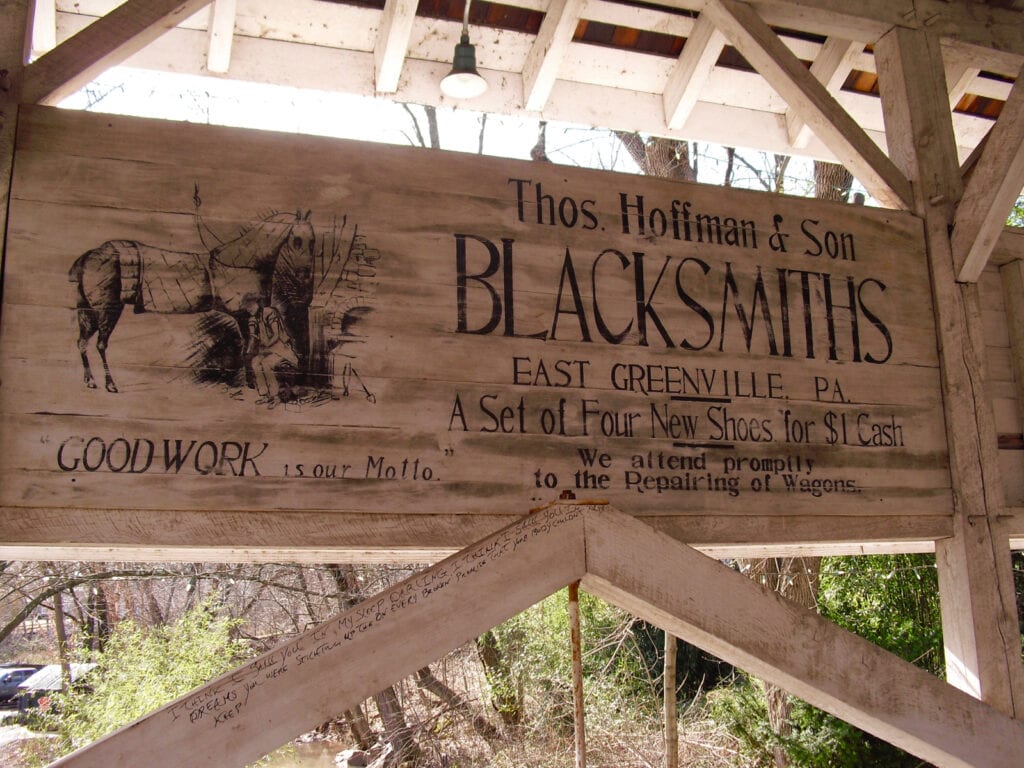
(463, 336)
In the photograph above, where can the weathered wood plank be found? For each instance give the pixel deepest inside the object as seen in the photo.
(831, 68)
(13, 36)
(247, 713)
(730, 616)
(975, 579)
(259, 536)
(477, 334)
(392, 43)
(1012, 279)
(101, 45)
(44, 27)
(221, 35)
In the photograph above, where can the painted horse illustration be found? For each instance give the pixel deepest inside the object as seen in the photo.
(270, 263)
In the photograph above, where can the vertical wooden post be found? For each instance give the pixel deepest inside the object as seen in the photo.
(669, 684)
(577, 675)
(975, 577)
(1012, 277)
(13, 42)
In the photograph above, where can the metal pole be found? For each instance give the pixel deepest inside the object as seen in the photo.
(577, 674)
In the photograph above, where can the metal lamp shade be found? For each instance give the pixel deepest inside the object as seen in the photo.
(463, 82)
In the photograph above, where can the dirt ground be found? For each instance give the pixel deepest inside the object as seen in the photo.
(20, 747)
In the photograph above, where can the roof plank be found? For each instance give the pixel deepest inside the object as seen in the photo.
(103, 44)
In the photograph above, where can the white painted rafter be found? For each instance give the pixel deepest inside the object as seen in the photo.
(995, 183)
(828, 120)
(548, 52)
(221, 35)
(103, 44)
(393, 43)
(692, 70)
(831, 67)
(44, 27)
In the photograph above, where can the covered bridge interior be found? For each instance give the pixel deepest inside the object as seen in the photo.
(920, 99)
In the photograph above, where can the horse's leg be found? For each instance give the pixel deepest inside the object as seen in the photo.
(86, 328)
(108, 318)
(248, 333)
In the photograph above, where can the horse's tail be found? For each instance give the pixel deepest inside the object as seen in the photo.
(116, 274)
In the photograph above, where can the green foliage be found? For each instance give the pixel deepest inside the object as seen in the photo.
(1017, 214)
(141, 669)
(536, 654)
(696, 671)
(815, 739)
(891, 600)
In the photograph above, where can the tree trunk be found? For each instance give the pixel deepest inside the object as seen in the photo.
(360, 727)
(795, 578)
(62, 641)
(831, 181)
(506, 688)
(397, 732)
(97, 618)
(665, 158)
(426, 680)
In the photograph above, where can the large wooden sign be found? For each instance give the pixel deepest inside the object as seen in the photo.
(199, 318)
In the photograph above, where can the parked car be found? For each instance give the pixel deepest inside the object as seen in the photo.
(45, 682)
(10, 679)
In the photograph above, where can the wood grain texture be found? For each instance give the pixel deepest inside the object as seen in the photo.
(808, 97)
(254, 709)
(103, 44)
(991, 191)
(980, 630)
(778, 640)
(249, 711)
(473, 336)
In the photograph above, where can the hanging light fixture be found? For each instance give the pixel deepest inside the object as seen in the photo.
(464, 82)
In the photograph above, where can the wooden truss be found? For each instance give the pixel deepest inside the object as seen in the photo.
(812, 95)
(293, 688)
(925, 52)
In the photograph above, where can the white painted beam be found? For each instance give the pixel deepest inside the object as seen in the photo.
(691, 72)
(221, 35)
(827, 119)
(392, 43)
(243, 715)
(44, 27)
(548, 52)
(831, 67)
(265, 702)
(725, 613)
(994, 185)
(103, 44)
(980, 630)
